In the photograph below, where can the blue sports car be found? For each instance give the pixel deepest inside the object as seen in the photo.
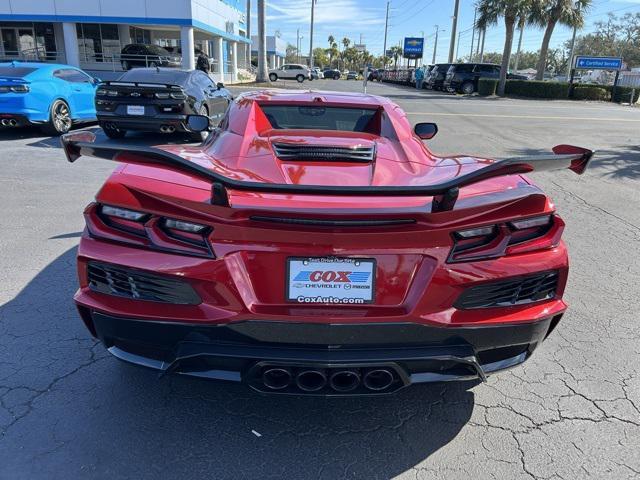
(50, 95)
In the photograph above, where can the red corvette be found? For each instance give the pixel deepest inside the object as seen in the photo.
(314, 245)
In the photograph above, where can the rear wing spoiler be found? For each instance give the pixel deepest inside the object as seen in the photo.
(445, 194)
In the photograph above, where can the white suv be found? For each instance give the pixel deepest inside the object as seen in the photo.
(290, 71)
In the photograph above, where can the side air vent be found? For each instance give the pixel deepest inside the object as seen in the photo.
(288, 151)
(129, 283)
(517, 291)
(317, 222)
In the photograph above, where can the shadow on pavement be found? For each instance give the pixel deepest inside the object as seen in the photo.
(81, 412)
(621, 162)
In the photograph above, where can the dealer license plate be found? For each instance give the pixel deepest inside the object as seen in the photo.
(135, 110)
(333, 281)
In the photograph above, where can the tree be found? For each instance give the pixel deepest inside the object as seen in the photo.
(548, 13)
(396, 51)
(511, 10)
(291, 55)
(346, 42)
(262, 74)
(320, 58)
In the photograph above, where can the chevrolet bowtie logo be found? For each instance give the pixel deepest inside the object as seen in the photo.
(134, 94)
(413, 43)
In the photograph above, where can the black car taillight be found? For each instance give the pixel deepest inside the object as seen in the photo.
(515, 236)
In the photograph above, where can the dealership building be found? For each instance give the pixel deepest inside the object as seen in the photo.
(91, 33)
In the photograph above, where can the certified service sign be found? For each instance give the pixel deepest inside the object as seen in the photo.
(330, 280)
(598, 63)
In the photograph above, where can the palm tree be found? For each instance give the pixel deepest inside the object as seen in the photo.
(548, 13)
(396, 51)
(346, 42)
(490, 12)
(331, 40)
(262, 73)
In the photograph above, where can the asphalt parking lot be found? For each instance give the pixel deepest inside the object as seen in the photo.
(69, 410)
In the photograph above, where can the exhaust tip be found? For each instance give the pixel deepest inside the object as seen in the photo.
(311, 380)
(13, 122)
(276, 378)
(344, 380)
(5, 122)
(378, 379)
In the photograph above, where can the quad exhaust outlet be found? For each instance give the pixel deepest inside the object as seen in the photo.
(336, 380)
(9, 122)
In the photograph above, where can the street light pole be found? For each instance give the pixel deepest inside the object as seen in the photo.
(454, 26)
(435, 45)
(313, 5)
(386, 26)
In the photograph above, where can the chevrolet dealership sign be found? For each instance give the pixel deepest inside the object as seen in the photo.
(413, 47)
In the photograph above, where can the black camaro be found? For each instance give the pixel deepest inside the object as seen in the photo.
(159, 100)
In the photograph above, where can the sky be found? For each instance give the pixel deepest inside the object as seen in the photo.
(366, 18)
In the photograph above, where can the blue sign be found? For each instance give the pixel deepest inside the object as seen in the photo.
(599, 63)
(413, 47)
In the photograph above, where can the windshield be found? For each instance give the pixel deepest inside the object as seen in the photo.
(15, 72)
(318, 118)
(157, 50)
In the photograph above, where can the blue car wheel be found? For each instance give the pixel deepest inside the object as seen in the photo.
(59, 119)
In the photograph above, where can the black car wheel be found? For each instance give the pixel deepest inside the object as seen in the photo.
(125, 65)
(336, 77)
(59, 119)
(113, 133)
(273, 77)
(300, 78)
(467, 88)
(201, 136)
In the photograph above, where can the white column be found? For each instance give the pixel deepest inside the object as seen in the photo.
(124, 34)
(272, 61)
(234, 62)
(71, 43)
(205, 47)
(186, 42)
(218, 54)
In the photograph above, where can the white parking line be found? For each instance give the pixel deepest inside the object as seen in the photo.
(529, 117)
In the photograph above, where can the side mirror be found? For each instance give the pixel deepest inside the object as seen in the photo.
(220, 85)
(198, 123)
(426, 130)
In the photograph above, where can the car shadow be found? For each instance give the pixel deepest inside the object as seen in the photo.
(121, 419)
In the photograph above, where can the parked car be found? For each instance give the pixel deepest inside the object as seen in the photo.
(189, 257)
(332, 73)
(177, 51)
(159, 100)
(463, 77)
(352, 75)
(144, 55)
(290, 71)
(375, 74)
(437, 74)
(53, 96)
(316, 73)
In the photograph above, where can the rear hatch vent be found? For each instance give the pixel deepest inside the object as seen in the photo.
(322, 153)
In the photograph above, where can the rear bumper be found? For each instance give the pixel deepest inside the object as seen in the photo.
(14, 120)
(144, 123)
(241, 351)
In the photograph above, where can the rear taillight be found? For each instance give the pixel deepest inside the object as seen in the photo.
(14, 88)
(178, 96)
(516, 236)
(148, 230)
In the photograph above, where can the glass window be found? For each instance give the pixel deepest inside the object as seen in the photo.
(46, 41)
(172, 77)
(318, 118)
(110, 41)
(202, 80)
(71, 75)
(89, 42)
(15, 72)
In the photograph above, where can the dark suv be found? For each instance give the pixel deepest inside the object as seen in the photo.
(435, 78)
(143, 55)
(463, 77)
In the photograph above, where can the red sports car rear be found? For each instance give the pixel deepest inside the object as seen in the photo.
(314, 245)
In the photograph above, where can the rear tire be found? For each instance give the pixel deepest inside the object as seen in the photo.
(59, 119)
(201, 136)
(467, 88)
(300, 78)
(153, 64)
(113, 133)
(273, 77)
(125, 65)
